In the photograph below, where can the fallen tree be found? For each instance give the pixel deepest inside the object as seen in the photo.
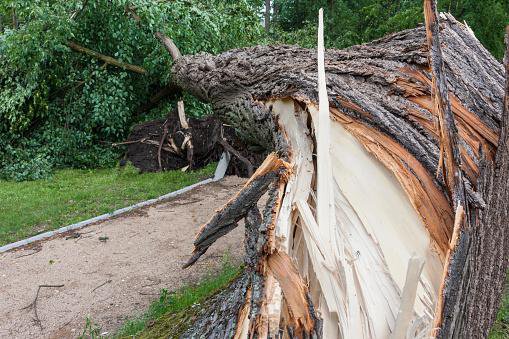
(387, 202)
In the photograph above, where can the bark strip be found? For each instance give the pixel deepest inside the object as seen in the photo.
(490, 239)
(450, 157)
(451, 293)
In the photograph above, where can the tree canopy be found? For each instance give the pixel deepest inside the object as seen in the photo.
(59, 107)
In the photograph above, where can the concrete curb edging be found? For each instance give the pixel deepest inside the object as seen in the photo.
(220, 172)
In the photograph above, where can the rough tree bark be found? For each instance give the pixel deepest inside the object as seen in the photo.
(391, 115)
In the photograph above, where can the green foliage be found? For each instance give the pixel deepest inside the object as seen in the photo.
(73, 195)
(500, 329)
(60, 108)
(354, 22)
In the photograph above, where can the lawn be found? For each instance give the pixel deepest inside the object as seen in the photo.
(32, 207)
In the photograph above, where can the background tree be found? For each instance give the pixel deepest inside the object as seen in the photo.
(354, 22)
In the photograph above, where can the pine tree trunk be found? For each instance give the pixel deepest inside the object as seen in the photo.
(391, 207)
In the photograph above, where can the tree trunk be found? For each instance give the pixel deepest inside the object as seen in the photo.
(354, 275)
(15, 23)
(267, 16)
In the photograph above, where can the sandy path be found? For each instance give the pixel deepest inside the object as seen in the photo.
(143, 254)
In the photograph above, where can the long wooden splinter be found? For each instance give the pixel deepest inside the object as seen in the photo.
(225, 219)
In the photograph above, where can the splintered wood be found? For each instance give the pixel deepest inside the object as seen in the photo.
(359, 237)
(294, 291)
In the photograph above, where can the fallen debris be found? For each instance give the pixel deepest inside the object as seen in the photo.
(166, 145)
(33, 304)
(104, 283)
(34, 250)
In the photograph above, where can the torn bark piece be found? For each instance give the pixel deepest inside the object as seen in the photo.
(252, 232)
(449, 141)
(226, 218)
(453, 288)
(261, 279)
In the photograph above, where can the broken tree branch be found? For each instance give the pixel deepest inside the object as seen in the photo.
(188, 136)
(229, 148)
(169, 45)
(227, 217)
(15, 22)
(33, 304)
(159, 149)
(101, 285)
(182, 115)
(107, 59)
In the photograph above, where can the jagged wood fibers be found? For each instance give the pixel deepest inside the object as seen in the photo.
(381, 103)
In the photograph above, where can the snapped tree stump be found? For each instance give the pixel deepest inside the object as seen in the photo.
(415, 241)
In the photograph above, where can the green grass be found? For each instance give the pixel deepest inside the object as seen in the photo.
(172, 312)
(32, 207)
(500, 329)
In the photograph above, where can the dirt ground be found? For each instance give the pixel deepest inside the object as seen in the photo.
(115, 278)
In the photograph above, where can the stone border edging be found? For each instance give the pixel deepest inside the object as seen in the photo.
(219, 174)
